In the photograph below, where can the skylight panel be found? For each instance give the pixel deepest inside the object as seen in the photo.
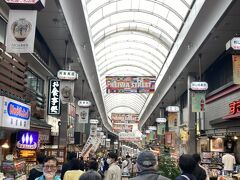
(110, 8)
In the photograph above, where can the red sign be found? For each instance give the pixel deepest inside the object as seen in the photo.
(234, 110)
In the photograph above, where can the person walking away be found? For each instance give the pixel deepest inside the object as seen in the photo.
(75, 172)
(199, 172)
(50, 166)
(126, 166)
(146, 165)
(187, 165)
(90, 175)
(67, 166)
(114, 171)
(38, 169)
(103, 166)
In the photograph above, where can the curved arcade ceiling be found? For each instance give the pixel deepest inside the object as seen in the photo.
(132, 38)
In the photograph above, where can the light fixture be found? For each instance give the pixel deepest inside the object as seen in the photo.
(5, 145)
(235, 137)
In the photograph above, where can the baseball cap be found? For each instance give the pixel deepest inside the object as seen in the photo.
(146, 159)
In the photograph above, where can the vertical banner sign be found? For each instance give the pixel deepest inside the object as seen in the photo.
(152, 135)
(21, 31)
(107, 143)
(67, 91)
(198, 101)
(103, 141)
(53, 97)
(161, 129)
(83, 115)
(236, 69)
(172, 119)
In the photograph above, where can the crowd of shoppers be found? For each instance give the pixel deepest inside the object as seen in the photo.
(110, 167)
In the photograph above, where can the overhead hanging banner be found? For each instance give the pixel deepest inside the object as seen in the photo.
(198, 101)
(130, 84)
(21, 31)
(124, 118)
(161, 129)
(122, 127)
(236, 69)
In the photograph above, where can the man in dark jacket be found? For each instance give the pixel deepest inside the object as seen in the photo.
(38, 169)
(187, 165)
(146, 163)
(67, 166)
(199, 172)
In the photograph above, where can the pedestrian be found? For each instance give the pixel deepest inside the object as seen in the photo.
(187, 165)
(199, 171)
(76, 170)
(103, 166)
(146, 164)
(67, 166)
(37, 171)
(50, 167)
(127, 166)
(114, 171)
(93, 165)
(91, 175)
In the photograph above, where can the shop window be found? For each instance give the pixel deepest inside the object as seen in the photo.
(35, 83)
(3, 27)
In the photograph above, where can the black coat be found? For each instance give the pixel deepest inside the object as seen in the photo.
(199, 173)
(34, 173)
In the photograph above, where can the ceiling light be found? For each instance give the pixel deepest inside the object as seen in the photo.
(235, 137)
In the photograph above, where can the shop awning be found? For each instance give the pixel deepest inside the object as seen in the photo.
(39, 123)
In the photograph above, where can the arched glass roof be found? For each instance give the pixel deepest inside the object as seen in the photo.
(132, 38)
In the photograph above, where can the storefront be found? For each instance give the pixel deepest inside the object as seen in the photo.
(222, 134)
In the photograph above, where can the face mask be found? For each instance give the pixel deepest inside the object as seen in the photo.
(109, 161)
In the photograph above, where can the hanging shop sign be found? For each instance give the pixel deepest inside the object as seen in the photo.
(83, 103)
(234, 43)
(27, 139)
(83, 114)
(54, 104)
(108, 143)
(53, 121)
(161, 120)
(161, 129)
(130, 84)
(199, 86)
(122, 127)
(172, 109)
(236, 69)
(67, 75)
(66, 91)
(152, 128)
(172, 119)
(94, 121)
(26, 4)
(99, 129)
(14, 114)
(124, 118)
(198, 101)
(21, 31)
(129, 136)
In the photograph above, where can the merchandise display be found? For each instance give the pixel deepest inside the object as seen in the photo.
(14, 169)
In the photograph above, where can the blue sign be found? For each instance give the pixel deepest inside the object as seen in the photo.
(27, 139)
(18, 111)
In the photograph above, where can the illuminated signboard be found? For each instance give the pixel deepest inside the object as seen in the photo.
(172, 109)
(83, 103)
(161, 120)
(27, 139)
(67, 75)
(199, 86)
(54, 97)
(14, 114)
(26, 4)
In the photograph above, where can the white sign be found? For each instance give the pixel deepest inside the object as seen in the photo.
(54, 97)
(94, 121)
(82, 103)
(152, 128)
(14, 114)
(233, 43)
(67, 92)
(161, 120)
(108, 143)
(172, 109)
(83, 114)
(147, 131)
(99, 129)
(93, 129)
(53, 121)
(67, 75)
(21, 31)
(199, 86)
